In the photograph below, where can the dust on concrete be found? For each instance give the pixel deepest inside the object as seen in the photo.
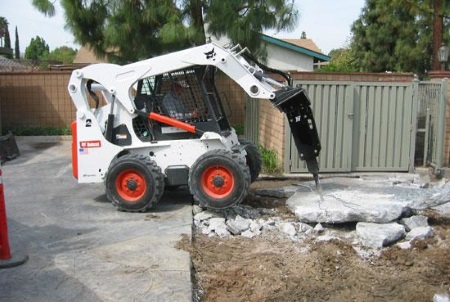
(275, 268)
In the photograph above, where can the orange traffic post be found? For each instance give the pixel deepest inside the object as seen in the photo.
(6, 259)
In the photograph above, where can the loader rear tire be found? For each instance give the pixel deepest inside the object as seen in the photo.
(219, 179)
(253, 157)
(134, 183)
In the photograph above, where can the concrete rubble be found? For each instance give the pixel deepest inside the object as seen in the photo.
(381, 208)
(379, 235)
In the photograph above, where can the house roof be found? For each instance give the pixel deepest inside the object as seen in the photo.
(307, 47)
(12, 65)
(305, 43)
(86, 55)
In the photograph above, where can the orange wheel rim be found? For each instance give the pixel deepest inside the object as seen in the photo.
(217, 182)
(131, 185)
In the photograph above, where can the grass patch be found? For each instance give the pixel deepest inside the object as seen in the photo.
(270, 164)
(239, 129)
(37, 131)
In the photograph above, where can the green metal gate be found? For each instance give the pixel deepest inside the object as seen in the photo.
(431, 117)
(362, 126)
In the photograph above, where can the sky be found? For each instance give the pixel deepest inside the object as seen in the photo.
(327, 22)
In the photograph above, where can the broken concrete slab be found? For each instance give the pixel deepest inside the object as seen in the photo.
(414, 222)
(420, 233)
(358, 200)
(379, 235)
(341, 207)
(283, 192)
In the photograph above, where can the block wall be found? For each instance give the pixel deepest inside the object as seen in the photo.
(35, 99)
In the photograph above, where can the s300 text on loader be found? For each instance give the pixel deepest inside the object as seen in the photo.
(161, 122)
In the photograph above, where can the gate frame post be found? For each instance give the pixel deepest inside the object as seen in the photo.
(440, 133)
(415, 108)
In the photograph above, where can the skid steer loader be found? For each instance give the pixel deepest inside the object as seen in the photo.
(161, 123)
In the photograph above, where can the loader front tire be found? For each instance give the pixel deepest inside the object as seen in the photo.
(134, 183)
(219, 179)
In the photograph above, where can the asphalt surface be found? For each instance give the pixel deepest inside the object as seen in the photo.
(79, 247)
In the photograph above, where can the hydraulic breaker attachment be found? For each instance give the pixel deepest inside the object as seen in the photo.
(297, 107)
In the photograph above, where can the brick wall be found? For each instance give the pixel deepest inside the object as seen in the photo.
(36, 99)
(271, 134)
(235, 96)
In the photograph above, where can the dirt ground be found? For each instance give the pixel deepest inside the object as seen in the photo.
(274, 268)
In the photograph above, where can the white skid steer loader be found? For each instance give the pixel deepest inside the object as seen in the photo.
(160, 122)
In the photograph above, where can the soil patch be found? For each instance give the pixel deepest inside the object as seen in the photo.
(275, 268)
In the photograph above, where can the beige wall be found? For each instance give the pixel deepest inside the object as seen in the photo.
(35, 99)
(271, 133)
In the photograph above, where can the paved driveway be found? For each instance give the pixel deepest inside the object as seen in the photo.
(80, 248)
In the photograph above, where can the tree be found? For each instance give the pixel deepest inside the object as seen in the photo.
(342, 60)
(63, 54)
(132, 30)
(3, 31)
(8, 44)
(5, 40)
(37, 50)
(16, 46)
(394, 35)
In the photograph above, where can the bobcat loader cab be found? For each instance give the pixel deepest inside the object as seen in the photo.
(161, 122)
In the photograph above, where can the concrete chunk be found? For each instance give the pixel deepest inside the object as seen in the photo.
(287, 228)
(202, 216)
(379, 235)
(414, 222)
(420, 233)
(238, 225)
(218, 226)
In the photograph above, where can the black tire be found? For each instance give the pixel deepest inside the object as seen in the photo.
(219, 179)
(134, 183)
(253, 157)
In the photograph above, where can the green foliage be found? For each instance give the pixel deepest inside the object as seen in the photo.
(3, 30)
(239, 129)
(342, 60)
(270, 164)
(37, 49)
(243, 21)
(37, 131)
(45, 7)
(394, 35)
(63, 54)
(126, 31)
